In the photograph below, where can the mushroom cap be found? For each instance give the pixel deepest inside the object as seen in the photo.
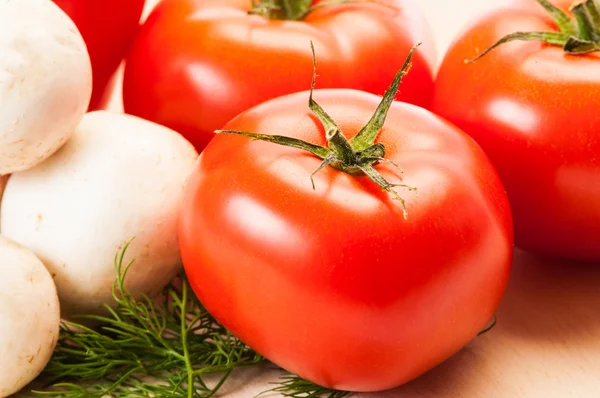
(29, 317)
(45, 81)
(119, 178)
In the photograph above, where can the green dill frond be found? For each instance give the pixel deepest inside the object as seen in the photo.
(153, 348)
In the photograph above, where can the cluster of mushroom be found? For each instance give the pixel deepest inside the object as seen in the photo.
(76, 187)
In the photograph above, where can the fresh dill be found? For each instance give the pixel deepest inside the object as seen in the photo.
(153, 348)
(292, 386)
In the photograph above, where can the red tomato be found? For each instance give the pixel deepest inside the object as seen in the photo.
(534, 110)
(334, 284)
(108, 27)
(198, 63)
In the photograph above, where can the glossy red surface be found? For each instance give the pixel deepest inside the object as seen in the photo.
(334, 284)
(534, 110)
(108, 27)
(198, 63)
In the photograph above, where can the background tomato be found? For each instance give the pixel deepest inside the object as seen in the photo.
(534, 110)
(108, 27)
(197, 64)
(334, 284)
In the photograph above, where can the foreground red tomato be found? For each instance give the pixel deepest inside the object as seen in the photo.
(534, 110)
(198, 63)
(108, 26)
(334, 283)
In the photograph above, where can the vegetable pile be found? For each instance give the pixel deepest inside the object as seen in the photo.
(290, 185)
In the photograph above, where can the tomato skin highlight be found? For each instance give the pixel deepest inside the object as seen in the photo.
(197, 64)
(333, 284)
(108, 27)
(534, 110)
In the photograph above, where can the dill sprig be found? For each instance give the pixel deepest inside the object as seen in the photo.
(292, 386)
(165, 346)
(148, 347)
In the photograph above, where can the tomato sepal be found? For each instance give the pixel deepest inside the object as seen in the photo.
(579, 34)
(297, 10)
(356, 156)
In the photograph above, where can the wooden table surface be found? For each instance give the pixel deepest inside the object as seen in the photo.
(547, 341)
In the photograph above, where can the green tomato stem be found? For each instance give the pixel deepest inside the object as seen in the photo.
(298, 10)
(357, 156)
(577, 34)
(291, 10)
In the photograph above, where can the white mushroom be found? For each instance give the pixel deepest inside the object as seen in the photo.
(29, 317)
(118, 178)
(45, 81)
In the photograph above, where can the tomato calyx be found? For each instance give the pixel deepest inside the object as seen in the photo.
(297, 10)
(292, 10)
(357, 156)
(578, 34)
